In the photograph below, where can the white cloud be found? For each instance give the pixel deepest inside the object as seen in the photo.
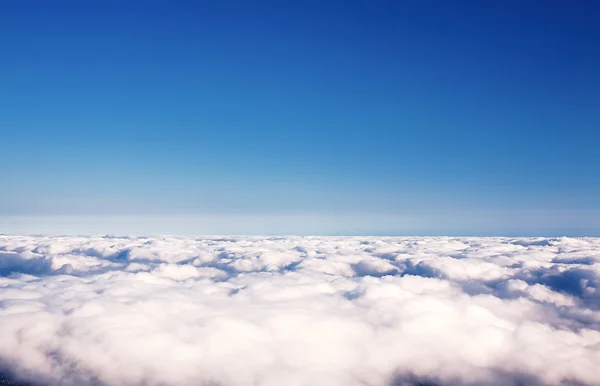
(299, 310)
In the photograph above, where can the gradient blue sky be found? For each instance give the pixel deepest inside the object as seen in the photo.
(436, 110)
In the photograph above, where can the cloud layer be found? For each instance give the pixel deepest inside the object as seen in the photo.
(300, 311)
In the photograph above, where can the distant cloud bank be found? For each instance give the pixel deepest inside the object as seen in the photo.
(298, 311)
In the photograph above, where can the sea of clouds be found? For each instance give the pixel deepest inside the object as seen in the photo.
(300, 311)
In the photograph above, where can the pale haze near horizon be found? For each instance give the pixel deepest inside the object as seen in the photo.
(454, 224)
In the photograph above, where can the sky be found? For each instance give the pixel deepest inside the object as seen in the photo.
(438, 117)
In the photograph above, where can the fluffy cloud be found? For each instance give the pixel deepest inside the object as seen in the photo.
(299, 311)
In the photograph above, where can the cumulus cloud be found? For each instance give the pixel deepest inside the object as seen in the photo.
(299, 311)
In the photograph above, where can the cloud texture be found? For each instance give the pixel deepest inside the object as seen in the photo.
(300, 311)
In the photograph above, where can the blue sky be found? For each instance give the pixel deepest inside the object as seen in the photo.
(432, 110)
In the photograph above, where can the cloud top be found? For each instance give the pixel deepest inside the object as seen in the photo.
(300, 310)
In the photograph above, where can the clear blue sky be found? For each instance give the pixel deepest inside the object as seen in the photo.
(346, 108)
